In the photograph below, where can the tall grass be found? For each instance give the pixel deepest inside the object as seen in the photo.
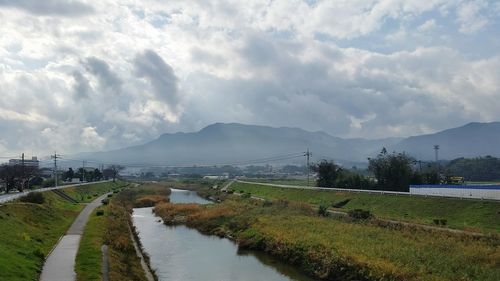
(333, 249)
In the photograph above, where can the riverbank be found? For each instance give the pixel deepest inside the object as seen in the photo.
(340, 249)
(29, 231)
(469, 215)
(124, 263)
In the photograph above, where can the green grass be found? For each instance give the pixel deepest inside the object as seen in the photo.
(298, 182)
(89, 258)
(473, 215)
(87, 193)
(28, 232)
(340, 249)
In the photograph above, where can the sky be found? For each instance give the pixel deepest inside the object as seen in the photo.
(80, 75)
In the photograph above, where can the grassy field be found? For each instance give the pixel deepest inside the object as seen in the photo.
(87, 193)
(472, 215)
(89, 257)
(341, 249)
(28, 232)
(298, 182)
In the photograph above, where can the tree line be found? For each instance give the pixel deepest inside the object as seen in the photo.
(391, 171)
(19, 177)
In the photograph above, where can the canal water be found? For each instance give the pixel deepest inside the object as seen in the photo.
(179, 253)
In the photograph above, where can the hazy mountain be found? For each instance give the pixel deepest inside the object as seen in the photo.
(471, 140)
(234, 143)
(230, 143)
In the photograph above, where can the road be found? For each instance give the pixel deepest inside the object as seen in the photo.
(60, 264)
(4, 198)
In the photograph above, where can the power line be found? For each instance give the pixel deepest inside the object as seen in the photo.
(246, 162)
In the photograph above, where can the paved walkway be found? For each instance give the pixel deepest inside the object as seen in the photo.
(60, 264)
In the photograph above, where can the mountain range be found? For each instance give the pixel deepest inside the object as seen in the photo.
(239, 144)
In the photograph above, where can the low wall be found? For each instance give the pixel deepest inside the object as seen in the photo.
(461, 191)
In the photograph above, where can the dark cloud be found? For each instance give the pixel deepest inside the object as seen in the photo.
(107, 79)
(151, 66)
(50, 7)
(81, 87)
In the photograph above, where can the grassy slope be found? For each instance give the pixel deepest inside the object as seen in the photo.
(462, 214)
(28, 232)
(89, 258)
(87, 193)
(343, 250)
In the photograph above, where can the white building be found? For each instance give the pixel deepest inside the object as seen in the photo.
(491, 192)
(33, 162)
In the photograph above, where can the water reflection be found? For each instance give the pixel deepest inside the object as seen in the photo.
(184, 254)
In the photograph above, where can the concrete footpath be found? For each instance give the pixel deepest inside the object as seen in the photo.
(60, 264)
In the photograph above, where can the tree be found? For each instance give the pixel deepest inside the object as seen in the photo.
(113, 171)
(70, 174)
(11, 177)
(98, 174)
(393, 171)
(328, 172)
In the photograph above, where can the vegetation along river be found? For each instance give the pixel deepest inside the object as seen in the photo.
(179, 253)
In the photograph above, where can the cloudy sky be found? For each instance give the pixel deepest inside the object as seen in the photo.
(81, 75)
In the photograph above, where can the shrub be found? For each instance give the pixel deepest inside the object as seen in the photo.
(323, 210)
(267, 203)
(33, 197)
(440, 221)
(48, 183)
(99, 213)
(341, 203)
(246, 195)
(359, 214)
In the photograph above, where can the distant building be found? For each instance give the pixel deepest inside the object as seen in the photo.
(33, 162)
(486, 191)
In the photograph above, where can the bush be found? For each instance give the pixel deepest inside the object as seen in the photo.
(440, 221)
(267, 203)
(246, 195)
(99, 213)
(33, 197)
(359, 214)
(323, 210)
(341, 203)
(48, 183)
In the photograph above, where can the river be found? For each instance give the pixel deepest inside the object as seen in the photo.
(179, 253)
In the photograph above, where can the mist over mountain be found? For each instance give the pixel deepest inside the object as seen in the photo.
(471, 140)
(237, 143)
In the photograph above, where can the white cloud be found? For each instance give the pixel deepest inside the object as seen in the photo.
(427, 26)
(130, 70)
(470, 16)
(92, 139)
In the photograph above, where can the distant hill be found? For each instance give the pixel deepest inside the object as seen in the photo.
(230, 143)
(234, 143)
(471, 140)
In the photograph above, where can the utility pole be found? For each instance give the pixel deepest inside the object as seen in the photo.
(307, 155)
(23, 171)
(83, 171)
(55, 157)
(436, 149)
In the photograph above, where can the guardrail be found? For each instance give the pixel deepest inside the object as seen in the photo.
(365, 191)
